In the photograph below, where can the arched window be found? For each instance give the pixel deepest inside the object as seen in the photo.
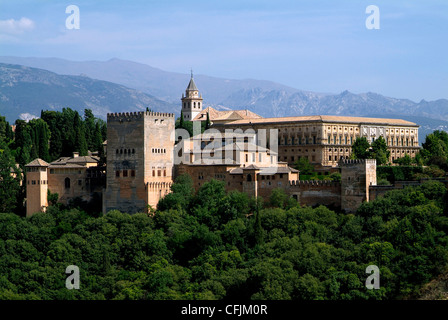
(249, 177)
(67, 183)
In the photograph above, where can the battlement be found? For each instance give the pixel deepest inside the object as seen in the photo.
(344, 162)
(316, 183)
(128, 116)
(157, 185)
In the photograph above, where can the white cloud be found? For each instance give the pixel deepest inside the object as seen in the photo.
(15, 27)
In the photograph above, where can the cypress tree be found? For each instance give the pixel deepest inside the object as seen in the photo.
(181, 120)
(80, 138)
(207, 122)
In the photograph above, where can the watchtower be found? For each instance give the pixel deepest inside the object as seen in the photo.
(356, 177)
(36, 186)
(139, 160)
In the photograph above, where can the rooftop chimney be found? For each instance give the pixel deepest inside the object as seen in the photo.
(75, 154)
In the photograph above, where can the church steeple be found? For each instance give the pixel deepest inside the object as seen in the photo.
(192, 101)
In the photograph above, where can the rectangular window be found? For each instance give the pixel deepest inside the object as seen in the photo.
(117, 173)
(132, 173)
(125, 173)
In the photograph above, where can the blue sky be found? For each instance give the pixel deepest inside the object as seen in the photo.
(321, 46)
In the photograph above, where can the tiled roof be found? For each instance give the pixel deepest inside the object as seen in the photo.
(264, 170)
(76, 162)
(192, 85)
(37, 163)
(330, 119)
(216, 115)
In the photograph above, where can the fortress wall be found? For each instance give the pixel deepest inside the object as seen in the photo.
(316, 192)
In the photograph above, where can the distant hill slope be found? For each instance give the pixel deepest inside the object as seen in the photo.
(25, 91)
(266, 98)
(165, 85)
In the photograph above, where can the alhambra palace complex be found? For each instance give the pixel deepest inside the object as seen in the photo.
(145, 154)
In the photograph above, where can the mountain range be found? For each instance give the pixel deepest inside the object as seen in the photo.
(28, 85)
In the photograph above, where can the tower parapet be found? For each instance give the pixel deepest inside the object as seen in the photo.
(357, 175)
(129, 116)
(139, 159)
(344, 162)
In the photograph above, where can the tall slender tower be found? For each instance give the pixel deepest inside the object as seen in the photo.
(37, 186)
(191, 101)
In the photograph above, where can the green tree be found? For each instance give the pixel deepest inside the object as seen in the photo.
(41, 135)
(23, 143)
(10, 177)
(80, 144)
(360, 148)
(90, 130)
(404, 161)
(207, 122)
(304, 166)
(379, 151)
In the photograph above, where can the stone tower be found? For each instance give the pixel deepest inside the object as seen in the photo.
(191, 101)
(36, 186)
(139, 160)
(356, 178)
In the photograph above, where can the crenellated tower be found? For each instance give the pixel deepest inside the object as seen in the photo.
(139, 160)
(357, 175)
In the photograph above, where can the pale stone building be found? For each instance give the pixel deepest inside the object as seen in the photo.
(139, 165)
(69, 177)
(325, 140)
(247, 152)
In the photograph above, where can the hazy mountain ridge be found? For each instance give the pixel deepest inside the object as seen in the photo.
(25, 91)
(269, 99)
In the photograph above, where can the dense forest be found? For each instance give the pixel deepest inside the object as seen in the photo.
(218, 245)
(214, 244)
(55, 134)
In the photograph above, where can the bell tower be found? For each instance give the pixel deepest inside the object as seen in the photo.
(191, 101)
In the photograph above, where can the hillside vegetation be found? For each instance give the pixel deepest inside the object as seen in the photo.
(218, 245)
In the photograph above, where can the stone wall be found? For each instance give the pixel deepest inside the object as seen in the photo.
(316, 192)
(139, 160)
